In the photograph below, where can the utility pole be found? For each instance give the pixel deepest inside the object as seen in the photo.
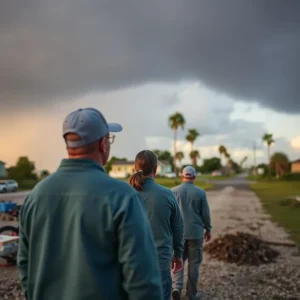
(254, 157)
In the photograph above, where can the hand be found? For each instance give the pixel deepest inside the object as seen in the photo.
(207, 236)
(177, 264)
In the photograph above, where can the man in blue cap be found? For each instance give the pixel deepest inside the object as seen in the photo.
(196, 218)
(83, 234)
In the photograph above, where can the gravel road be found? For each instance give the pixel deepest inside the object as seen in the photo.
(232, 210)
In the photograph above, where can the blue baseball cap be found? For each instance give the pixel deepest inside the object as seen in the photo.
(89, 124)
(188, 172)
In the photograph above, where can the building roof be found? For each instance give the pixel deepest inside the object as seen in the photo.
(123, 162)
(295, 161)
(164, 162)
(131, 162)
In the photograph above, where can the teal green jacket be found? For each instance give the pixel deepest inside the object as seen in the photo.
(85, 236)
(165, 220)
(194, 208)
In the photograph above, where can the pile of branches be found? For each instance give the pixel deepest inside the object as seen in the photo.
(6, 217)
(241, 249)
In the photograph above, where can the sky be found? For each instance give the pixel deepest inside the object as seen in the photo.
(231, 68)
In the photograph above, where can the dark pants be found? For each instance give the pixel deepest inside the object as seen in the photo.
(167, 283)
(192, 254)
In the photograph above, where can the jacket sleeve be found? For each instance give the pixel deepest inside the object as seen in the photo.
(22, 259)
(177, 229)
(205, 212)
(137, 252)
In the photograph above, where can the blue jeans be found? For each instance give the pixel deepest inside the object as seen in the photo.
(166, 283)
(192, 254)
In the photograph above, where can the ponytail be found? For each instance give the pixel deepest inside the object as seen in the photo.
(137, 180)
(146, 163)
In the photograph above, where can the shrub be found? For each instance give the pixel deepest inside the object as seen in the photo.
(27, 184)
(291, 177)
(290, 202)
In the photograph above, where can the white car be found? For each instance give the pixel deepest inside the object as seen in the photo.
(8, 186)
(170, 175)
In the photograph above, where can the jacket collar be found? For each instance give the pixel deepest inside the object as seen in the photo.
(79, 165)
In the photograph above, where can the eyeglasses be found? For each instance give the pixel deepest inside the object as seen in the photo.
(111, 138)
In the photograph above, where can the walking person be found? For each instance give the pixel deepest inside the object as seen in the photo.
(164, 216)
(197, 227)
(83, 234)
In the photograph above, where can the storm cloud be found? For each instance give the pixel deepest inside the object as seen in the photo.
(61, 49)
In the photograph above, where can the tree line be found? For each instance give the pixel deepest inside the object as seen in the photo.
(25, 169)
(278, 163)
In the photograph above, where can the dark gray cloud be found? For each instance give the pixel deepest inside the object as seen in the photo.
(170, 100)
(57, 49)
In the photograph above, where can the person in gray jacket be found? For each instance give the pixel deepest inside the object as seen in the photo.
(197, 227)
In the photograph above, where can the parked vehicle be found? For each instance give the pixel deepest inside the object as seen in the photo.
(170, 175)
(8, 186)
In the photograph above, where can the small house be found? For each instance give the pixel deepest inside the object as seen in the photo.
(123, 168)
(295, 166)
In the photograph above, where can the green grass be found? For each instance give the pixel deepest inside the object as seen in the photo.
(285, 212)
(25, 185)
(214, 178)
(169, 183)
(256, 177)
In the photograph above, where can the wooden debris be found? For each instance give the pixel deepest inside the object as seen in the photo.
(242, 249)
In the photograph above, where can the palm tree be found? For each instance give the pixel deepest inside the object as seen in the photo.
(229, 163)
(222, 151)
(243, 160)
(176, 121)
(194, 155)
(268, 139)
(280, 163)
(192, 136)
(227, 156)
(179, 156)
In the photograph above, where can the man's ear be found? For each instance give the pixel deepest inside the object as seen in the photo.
(103, 145)
(155, 170)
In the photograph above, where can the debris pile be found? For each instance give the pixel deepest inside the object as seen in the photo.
(242, 249)
(7, 217)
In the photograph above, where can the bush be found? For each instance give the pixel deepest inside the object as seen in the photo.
(291, 177)
(290, 202)
(27, 184)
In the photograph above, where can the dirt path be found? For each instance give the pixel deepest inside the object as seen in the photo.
(240, 210)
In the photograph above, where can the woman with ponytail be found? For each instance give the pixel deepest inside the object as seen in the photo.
(164, 217)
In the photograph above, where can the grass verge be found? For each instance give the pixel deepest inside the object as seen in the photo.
(215, 178)
(274, 196)
(170, 183)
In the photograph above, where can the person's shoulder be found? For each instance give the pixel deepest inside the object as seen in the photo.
(177, 188)
(41, 185)
(162, 188)
(120, 185)
(165, 191)
(199, 190)
(96, 182)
